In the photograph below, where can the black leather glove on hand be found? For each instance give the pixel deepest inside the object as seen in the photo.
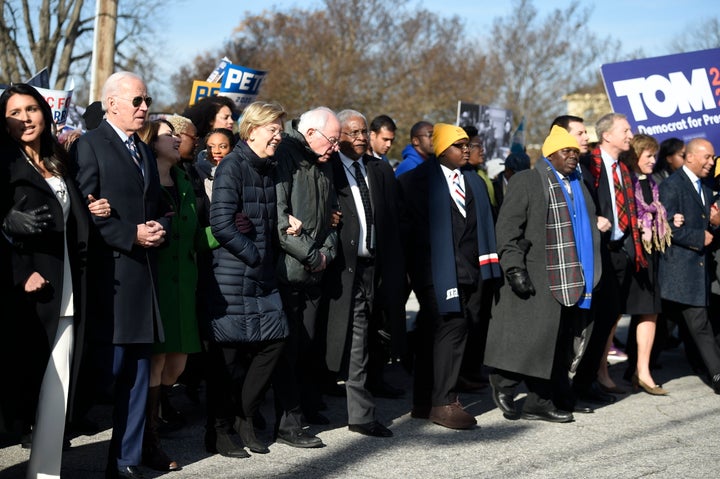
(243, 223)
(520, 282)
(28, 222)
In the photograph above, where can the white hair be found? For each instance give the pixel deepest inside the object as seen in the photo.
(316, 118)
(111, 87)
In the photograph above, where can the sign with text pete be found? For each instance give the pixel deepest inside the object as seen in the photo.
(242, 84)
(670, 96)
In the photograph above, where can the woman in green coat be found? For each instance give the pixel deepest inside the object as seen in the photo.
(178, 276)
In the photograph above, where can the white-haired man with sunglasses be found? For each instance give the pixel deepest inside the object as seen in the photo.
(113, 163)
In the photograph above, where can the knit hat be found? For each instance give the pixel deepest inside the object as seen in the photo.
(445, 135)
(558, 139)
(517, 161)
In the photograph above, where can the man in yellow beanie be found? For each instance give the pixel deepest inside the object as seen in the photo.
(548, 244)
(452, 264)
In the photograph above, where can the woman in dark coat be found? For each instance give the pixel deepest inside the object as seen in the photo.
(47, 222)
(644, 302)
(246, 326)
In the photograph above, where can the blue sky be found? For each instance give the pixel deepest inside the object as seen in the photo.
(192, 27)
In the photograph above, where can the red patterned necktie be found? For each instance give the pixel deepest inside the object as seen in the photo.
(620, 201)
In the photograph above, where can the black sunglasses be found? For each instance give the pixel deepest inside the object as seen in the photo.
(137, 101)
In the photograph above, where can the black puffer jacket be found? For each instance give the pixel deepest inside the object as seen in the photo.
(244, 302)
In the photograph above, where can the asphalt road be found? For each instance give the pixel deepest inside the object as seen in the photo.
(638, 436)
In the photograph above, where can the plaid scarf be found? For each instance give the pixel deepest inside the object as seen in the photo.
(595, 168)
(566, 278)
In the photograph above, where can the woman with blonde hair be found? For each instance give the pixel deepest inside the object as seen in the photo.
(246, 326)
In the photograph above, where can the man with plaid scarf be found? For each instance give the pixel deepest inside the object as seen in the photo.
(548, 243)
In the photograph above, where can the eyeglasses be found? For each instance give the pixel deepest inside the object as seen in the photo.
(461, 146)
(192, 137)
(137, 101)
(333, 141)
(355, 134)
(274, 131)
(475, 145)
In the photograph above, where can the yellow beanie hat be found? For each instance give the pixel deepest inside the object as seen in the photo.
(445, 135)
(558, 139)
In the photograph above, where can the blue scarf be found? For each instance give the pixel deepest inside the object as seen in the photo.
(442, 251)
(581, 230)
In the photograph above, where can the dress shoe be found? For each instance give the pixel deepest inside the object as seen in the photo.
(384, 390)
(716, 383)
(506, 403)
(129, 472)
(452, 416)
(373, 428)
(656, 390)
(299, 438)
(246, 431)
(595, 395)
(551, 415)
(221, 443)
(155, 458)
(576, 408)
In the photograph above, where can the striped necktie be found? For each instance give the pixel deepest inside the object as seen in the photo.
(130, 143)
(367, 205)
(458, 193)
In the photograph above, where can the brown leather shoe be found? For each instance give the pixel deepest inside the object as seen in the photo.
(452, 416)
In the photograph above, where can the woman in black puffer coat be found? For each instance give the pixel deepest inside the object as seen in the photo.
(246, 327)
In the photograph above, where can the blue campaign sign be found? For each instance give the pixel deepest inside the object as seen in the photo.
(242, 84)
(669, 96)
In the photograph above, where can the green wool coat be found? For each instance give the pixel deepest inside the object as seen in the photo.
(177, 269)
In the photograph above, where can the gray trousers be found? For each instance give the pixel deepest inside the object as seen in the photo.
(360, 403)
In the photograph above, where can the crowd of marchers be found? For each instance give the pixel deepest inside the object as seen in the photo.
(248, 251)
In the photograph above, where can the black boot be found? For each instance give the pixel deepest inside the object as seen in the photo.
(170, 417)
(219, 441)
(246, 430)
(152, 454)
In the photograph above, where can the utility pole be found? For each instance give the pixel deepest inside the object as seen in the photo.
(103, 57)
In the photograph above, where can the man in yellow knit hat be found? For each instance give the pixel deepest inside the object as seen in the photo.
(548, 244)
(452, 264)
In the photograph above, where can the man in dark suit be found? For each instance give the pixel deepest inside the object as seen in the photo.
(452, 263)
(549, 249)
(369, 266)
(113, 163)
(608, 181)
(684, 273)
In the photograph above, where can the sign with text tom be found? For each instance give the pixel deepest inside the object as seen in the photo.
(669, 96)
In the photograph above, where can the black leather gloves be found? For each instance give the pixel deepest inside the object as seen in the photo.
(519, 281)
(28, 222)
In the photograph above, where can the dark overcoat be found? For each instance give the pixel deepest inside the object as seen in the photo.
(389, 258)
(684, 272)
(128, 310)
(38, 313)
(523, 333)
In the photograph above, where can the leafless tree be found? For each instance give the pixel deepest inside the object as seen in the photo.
(58, 34)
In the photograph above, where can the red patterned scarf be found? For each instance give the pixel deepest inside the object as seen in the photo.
(595, 169)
